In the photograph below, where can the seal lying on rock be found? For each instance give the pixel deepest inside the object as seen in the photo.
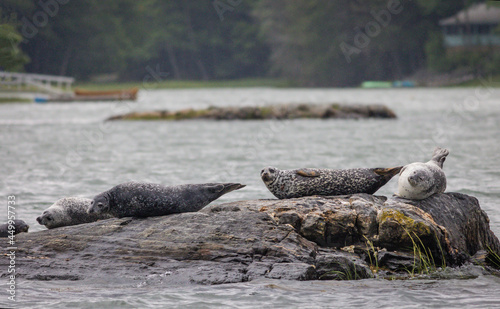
(69, 211)
(308, 181)
(134, 199)
(418, 181)
(19, 227)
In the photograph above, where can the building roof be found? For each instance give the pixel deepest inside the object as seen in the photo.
(480, 13)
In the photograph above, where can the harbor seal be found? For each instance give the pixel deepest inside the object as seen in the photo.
(69, 211)
(133, 199)
(19, 227)
(309, 181)
(418, 180)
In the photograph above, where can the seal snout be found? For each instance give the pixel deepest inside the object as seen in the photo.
(91, 209)
(265, 176)
(45, 218)
(416, 178)
(24, 227)
(268, 173)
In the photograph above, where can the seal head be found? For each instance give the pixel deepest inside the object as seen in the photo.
(51, 217)
(69, 211)
(100, 204)
(269, 175)
(19, 227)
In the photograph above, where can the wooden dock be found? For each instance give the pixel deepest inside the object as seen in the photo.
(51, 88)
(52, 84)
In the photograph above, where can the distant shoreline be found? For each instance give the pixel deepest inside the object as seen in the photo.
(27, 95)
(190, 84)
(242, 83)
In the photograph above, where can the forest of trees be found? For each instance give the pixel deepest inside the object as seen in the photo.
(309, 42)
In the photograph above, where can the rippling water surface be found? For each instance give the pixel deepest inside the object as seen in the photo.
(49, 151)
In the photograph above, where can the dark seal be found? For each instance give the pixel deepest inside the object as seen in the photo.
(19, 226)
(134, 199)
(308, 181)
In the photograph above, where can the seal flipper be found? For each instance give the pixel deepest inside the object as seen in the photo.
(439, 156)
(307, 172)
(224, 188)
(387, 173)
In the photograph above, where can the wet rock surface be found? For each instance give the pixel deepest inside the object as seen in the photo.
(284, 111)
(324, 238)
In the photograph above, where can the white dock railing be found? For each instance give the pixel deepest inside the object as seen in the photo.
(49, 83)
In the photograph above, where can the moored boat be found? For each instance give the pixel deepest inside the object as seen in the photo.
(82, 95)
(121, 94)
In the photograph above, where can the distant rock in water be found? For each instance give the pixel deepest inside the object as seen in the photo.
(285, 111)
(310, 238)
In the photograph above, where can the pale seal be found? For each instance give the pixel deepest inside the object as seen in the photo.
(69, 211)
(19, 226)
(134, 199)
(308, 181)
(418, 181)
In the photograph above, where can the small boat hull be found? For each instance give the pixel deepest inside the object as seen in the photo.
(81, 95)
(123, 94)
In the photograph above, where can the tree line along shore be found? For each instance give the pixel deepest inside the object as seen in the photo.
(306, 43)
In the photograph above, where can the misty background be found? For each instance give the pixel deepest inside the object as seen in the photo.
(308, 43)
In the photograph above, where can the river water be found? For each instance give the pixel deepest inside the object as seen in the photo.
(49, 151)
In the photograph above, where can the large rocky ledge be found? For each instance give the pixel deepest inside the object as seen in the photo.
(343, 237)
(285, 111)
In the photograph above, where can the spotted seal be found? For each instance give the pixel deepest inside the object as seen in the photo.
(19, 226)
(133, 199)
(418, 180)
(69, 211)
(309, 181)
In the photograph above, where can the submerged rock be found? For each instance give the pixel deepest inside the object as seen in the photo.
(341, 237)
(285, 111)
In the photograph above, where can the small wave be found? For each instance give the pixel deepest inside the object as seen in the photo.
(35, 122)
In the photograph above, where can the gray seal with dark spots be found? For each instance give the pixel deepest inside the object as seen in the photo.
(69, 211)
(309, 181)
(133, 199)
(418, 180)
(18, 226)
